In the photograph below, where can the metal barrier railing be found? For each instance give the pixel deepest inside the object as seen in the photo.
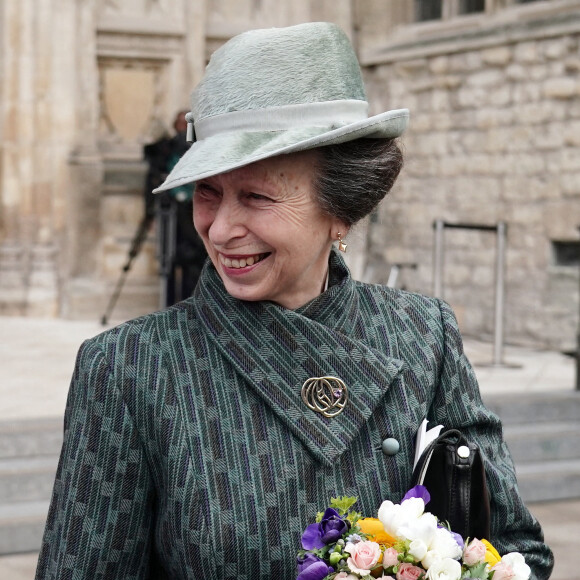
(500, 229)
(396, 270)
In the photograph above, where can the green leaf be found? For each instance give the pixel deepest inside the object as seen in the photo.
(342, 504)
(477, 571)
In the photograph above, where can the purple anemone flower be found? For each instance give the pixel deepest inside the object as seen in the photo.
(311, 567)
(418, 491)
(328, 530)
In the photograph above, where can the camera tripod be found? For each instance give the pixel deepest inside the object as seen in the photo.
(165, 217)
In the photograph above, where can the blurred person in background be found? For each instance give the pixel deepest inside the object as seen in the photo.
(181, 252)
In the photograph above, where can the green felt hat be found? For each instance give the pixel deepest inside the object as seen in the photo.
(274, 91)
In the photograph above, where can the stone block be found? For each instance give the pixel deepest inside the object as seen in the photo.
(472, 97)
(497, 56)
(465, 62)
(458, 274)
(421, 122)
(560, 88)
(455, 142)
(499, 139)
(520, 163)
(493, 117)
(439, 65)
(432, 144)
(486, 78)
(538, 72)
(537, 113)
(526, 93)
(560, 223)
(573, 109)
(555, 49)
(516, 72)
(443, 121)
(501, 96)
(452, 165)
(550, 137)
(520, 189)
(571, 131)
(471, 142)
(557, 69)
(421, 85)
(570, 184)
(440, 101)
(448, 82)
(563, 160)
(421, 166)
(410, 68)
(527, 52)
(572, 64)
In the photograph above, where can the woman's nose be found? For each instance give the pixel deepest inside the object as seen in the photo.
(227, 222)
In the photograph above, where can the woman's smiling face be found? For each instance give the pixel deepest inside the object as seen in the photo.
(264, 230)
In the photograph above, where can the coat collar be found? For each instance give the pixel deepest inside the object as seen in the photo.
(276, 350)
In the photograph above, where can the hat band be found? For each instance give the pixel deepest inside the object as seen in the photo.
(320, 114)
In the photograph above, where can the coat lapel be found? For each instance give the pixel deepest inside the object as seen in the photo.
(276, 350)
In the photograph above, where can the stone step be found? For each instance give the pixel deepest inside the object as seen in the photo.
(25, 479)
(555, 406)
(549, 480)
(532, 442)
(22, 526)
(30, 437)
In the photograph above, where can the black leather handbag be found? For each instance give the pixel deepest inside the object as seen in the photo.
(452, 470)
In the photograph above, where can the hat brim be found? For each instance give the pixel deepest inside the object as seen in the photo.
(227, 151)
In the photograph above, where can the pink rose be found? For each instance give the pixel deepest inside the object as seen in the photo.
(502, 571)
(409, 572)
(390, 558)
(474, 552)
(363, 557)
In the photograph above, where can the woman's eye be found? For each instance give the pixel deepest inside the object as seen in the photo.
(258, 196)
(205, 190)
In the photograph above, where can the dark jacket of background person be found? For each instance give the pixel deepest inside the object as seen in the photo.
(189, 252)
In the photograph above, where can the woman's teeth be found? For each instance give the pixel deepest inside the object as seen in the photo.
(241, 262)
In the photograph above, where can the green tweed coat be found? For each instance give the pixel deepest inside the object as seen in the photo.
(189, 453)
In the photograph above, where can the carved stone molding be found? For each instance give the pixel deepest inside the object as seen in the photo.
(131, 98)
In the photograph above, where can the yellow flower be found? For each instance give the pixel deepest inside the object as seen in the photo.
(491, 555)
(373, 528)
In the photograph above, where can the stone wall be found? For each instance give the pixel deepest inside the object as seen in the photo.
(494, 136)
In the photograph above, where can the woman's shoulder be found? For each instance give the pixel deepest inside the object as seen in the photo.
(406, 310)
(154, 328)
(396, 299)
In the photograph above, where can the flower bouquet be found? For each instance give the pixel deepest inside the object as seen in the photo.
(404, 543)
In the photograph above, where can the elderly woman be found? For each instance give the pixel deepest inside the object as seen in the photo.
(193, 445)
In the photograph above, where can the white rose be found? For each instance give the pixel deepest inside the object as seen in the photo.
(430, 558)
(418, 549)
(445, 569)
(445, 545)
(394, 516)
(518, 564)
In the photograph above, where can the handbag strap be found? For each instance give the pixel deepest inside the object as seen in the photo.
(449, 436)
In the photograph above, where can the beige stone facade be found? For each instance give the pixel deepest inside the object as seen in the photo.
(495, 136)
